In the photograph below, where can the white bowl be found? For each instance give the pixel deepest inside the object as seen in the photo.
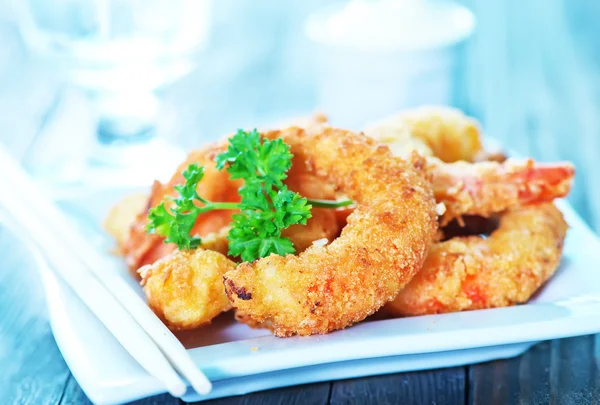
(374, 58)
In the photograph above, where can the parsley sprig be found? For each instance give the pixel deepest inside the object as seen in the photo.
(267, 206)
(176, 223)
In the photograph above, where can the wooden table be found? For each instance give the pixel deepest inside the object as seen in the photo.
(533, 78)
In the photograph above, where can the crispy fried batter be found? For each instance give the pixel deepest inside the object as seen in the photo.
(185, 289)
(432, 131)
(446, 135)
(472, 272)
(387, 237)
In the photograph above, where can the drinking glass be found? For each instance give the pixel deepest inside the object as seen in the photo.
(121, 53)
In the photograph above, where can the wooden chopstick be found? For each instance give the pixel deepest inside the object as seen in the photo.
(51, 228)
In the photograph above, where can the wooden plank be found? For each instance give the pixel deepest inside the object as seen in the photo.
(521, 380)
(300, 395)
(560, 372)
(534, 375)
(446, 386)
(574, 376)
(73, 395)
(33, 370)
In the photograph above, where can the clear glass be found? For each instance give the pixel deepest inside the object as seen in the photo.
(121, 53)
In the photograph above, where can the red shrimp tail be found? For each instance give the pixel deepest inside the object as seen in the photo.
(544, 182)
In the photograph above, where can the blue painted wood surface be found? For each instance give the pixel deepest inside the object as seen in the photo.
(532, 78)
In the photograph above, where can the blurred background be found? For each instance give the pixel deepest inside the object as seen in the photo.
(90, 90)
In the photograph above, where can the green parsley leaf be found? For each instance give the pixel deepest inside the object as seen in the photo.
(267, 206)
(254, 159)
(176, 224)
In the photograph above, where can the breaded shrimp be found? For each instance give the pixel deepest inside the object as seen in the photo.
(141, 248)
(185, 289)
(188, 294)
(438, 131)
(384, 244)
(446, 135)
(487, 188)
(473, 272)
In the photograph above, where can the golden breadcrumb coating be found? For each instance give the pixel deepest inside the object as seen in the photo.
(473, 272)
(185, 289)
(384, 244)
(438, 131)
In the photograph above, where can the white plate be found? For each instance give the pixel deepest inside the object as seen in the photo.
(240, 360)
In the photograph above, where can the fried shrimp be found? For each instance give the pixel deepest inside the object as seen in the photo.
(384, 244)
(141, 248)
(438, 131)
(185, 289)
(473, 272)
(451, 140)
(487, 188)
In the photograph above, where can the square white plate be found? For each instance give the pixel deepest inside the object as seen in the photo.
(240, 360)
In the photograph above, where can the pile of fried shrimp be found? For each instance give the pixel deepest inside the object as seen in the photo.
(438, 225)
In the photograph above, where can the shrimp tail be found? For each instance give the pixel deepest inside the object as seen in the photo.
(543, 182)
(488, 188)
